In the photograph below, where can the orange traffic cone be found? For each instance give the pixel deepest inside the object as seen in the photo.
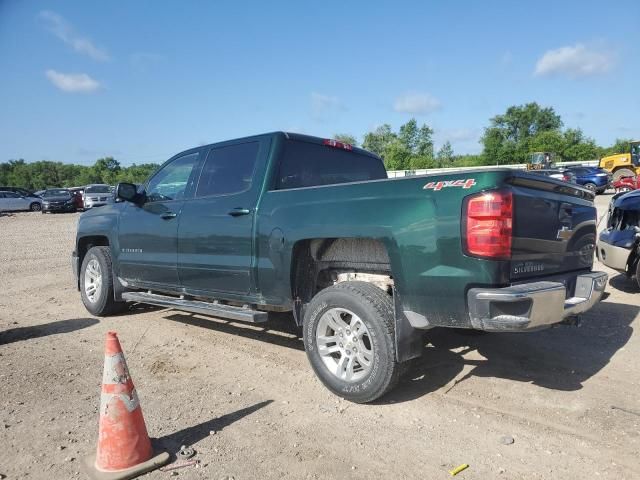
(124, 449)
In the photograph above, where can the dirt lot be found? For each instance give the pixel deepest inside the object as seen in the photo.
(567, 396)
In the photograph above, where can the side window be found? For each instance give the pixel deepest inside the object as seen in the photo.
(11, 195)
(228, 170)
(170, 183)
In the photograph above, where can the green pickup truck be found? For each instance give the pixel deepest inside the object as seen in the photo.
(287, 222)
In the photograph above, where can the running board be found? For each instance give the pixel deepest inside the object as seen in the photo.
(241, 314)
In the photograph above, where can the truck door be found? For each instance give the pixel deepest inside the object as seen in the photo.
(148, 233)
(215, 235)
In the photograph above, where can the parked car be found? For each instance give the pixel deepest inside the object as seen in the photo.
(12, 201)
(593, 178)
(557, 173)
(288, 222)
(58, 200)
(619, 244)
(19, 190)
(627, 184)
(97, 195)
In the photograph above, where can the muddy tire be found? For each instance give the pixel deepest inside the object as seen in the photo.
(349, 339)
(96, 283)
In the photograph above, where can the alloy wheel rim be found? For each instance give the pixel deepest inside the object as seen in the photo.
(93, 280)
(344, 344)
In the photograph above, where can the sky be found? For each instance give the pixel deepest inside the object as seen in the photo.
(141, 81)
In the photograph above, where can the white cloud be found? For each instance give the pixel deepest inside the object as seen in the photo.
(73, 82)
(416, 103)
(574, 61)
(62, 29)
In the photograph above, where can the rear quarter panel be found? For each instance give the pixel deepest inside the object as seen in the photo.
(419, 227)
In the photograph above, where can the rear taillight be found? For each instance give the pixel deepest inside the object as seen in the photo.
(487, 224)
(336, 144)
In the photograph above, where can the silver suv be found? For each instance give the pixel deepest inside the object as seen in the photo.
(97, 195)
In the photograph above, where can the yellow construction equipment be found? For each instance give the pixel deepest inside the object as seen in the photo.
(623, 164)
(541, 160)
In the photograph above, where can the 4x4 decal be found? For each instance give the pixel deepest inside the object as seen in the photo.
(436, 186)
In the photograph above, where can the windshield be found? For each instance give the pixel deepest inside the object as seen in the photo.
(58, 192)
(98, 189)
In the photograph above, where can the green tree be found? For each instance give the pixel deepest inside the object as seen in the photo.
(107, 169)
(548, 141)
(396, 156)
(424, 143)
(621, 145)
(445, 155)
(507, 139)
(578, 147)
(378, 140)
(408, 135)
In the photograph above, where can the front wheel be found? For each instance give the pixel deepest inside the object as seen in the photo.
(590, 186)
(96, 283)
(349, 340)
(35, 207)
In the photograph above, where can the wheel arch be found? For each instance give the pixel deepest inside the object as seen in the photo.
(313, 256)
(84, 245)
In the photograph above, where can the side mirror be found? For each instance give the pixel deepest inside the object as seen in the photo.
(127, 192)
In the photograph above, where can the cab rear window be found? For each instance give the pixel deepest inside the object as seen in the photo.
(305, 164)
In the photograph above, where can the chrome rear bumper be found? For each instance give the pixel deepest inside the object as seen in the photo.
(533, 305)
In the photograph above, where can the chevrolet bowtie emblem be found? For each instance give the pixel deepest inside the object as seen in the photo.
(564, 233)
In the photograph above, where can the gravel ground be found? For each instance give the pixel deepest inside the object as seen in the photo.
(247, 401)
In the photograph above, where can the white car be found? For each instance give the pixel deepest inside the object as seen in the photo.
(11, 202)
(97, 195)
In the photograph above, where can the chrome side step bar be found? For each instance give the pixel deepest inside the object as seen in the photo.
(241, 314)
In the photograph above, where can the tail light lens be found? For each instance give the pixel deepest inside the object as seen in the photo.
(336, 144)
(487, 224)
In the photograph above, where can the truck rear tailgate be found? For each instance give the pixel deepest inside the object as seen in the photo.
(554, 227)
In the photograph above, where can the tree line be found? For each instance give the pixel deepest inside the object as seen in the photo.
(509, 138)
(46, 174)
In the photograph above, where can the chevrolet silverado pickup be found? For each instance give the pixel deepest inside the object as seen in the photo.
(287, 222)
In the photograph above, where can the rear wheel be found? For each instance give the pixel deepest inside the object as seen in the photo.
(96, 283)
(35, 207)
(623, 172)
(349, 340)
(590, 186)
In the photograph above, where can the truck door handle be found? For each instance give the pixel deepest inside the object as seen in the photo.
(168, 215)
(238, 212)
